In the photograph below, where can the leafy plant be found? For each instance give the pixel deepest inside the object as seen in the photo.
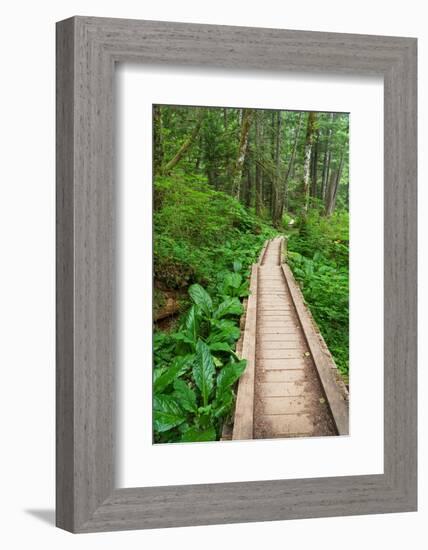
(196, 369)
(318, 256)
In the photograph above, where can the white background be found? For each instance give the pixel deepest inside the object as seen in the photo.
(362, 451)
(27, 289)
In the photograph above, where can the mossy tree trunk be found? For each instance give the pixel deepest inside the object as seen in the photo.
(310, 131)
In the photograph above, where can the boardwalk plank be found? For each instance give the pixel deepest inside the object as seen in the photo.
(275, 331)
(288, 336)
(265, 349)
(280, 375)
(277, 425)
(287, 393)
(266, 353)
(285, 405)
(282, 364)
(281, 389)
(295, 343)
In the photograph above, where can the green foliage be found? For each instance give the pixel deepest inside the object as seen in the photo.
(205, 241)
(167, 413)
(201, 299)
(196, 368)
(318, 256)
(203, 371)
(199, 233)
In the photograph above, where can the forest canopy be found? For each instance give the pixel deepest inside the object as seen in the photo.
(273, 161)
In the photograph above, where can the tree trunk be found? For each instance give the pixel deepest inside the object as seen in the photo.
(277, 175)
(330, 193)
(246, 119)
(249, 186)
(325, 172)
(326, 163)
(157, 140)
(272, 152)
(186, 145)
(314, 171)
(212, 175)
(284, 195)
(333, 188)
(258, 175)
(199, 155)
(307, 159)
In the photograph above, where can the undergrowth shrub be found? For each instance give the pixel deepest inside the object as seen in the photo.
(199, 232)
(318, 255)
(196, 368)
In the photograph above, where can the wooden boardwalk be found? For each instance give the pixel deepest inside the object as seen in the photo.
(291, 387)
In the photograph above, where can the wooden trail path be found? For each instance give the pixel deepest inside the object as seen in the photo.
(291, 387)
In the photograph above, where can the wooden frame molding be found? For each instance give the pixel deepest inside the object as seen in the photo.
(87, 50)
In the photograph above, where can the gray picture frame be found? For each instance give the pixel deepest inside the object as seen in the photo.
(87, 51)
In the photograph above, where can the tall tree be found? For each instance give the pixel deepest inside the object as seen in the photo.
(212, 133)
(310, 131)
(246, 119)
(248, 190)
(333, 187)
(258, 171)
(290, 165)
(277, 175)
(327, 158)
(314, 165)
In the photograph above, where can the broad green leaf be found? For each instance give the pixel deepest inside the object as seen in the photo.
(167, 413)
(192, 324)
(224, 330)
(193, 434)
(201, 298)
(181, 337)
(233, 279)
(237, 266)
(223, 324)
(230, 306)
(165, 379)
(204, 370)
(229, 334)
(228, 376)
(185, 396)
(220, 346)
(243, 290)
(158, 372)
(223, 405)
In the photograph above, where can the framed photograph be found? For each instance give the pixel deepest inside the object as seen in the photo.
(236, 274)
(228, 315)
